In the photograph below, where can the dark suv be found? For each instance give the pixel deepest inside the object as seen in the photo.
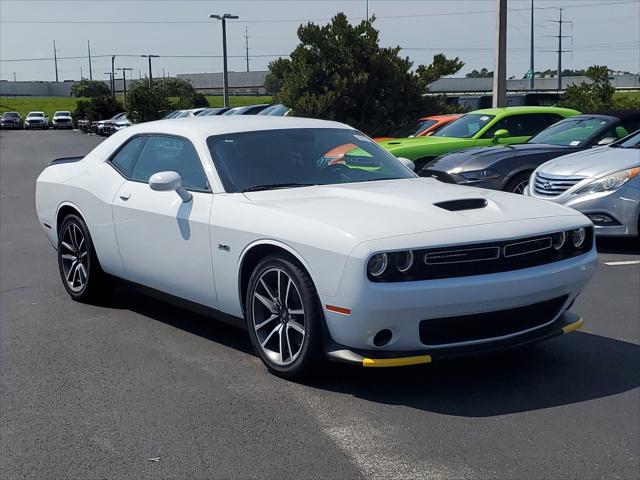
(11, 120)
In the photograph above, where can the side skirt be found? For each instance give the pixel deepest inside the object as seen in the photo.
(194, 307)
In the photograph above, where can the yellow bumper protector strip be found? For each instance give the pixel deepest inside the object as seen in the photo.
(573, 326)
(396, 362)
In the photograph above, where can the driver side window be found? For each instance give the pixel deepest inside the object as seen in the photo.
(164, 153)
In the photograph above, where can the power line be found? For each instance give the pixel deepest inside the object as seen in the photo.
(302, 20)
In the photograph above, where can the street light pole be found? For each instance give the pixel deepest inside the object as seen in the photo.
(124, 85)
(113, 76)
(150, 74)
(225, 73)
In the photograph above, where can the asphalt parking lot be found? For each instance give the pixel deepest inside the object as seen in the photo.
(136, 388)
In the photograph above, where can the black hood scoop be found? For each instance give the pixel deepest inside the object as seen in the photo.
(462, 204)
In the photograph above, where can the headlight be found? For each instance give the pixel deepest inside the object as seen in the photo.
(610, 182)
(403, 261)
(486, 174)
(558, 239)
(377, 264)
(577, 237)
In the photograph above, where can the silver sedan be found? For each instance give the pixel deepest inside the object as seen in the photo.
(603, 183)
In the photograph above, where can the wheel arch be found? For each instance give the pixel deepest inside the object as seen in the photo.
(254, 253)
(67, 208)
(528, 169)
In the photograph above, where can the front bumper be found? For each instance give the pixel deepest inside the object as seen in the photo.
(622, 206)
(566, 323)
(401, 307)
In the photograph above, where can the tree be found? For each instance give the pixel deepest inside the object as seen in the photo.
(144, 104)
(483, 73)
(340, 72)
(98, 108)
(591, 96)
(89, 88)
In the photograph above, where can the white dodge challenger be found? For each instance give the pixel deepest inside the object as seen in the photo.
(314, 239)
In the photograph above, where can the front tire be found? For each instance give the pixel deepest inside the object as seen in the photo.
(80, 270)
(284, 317)
(518, 183)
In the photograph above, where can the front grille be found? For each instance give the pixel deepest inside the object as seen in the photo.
(553, 185)
(484, 258)
(481, 326)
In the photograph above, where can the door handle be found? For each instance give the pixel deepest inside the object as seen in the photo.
(125, 196)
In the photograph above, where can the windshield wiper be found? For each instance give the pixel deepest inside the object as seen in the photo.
(274, 186)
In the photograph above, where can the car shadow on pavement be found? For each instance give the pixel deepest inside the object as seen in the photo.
(562, 371)
(203, 326)
(619, 245)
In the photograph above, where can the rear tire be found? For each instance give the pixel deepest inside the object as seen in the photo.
(78, 264)
(284, 317)
(518, 183)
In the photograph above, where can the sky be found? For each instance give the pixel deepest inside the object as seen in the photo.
(603, 32)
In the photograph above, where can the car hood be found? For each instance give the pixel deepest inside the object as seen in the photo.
(376, 210)
(395, 143)
(482, 157)
(593, 162)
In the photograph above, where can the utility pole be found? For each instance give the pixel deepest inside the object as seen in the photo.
(367, 3)
(500, 66)
(14, 77)
(124, 85)
(81, 73)
(55, 58)
(225, 73)
(560, 51)
(246, 46)
(150, 72)
(113, 76)
(531, 61)
(89, 52)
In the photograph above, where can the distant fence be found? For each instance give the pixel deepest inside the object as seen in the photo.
(240, 83)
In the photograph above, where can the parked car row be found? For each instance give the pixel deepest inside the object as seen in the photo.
(36, 119)
(260, 109)
(587, 161)
(107, 127)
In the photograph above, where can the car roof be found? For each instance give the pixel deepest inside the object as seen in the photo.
(35, 111)
(521, 110)
(444, 116)
(220, 125)
(623, 115)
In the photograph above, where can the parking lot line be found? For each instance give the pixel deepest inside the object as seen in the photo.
(624, 262)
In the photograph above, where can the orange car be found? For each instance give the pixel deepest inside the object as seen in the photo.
(425, 126)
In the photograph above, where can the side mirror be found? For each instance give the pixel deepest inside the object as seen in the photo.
(502, 133)
(607, 140)
(407, 163)
(167, 181)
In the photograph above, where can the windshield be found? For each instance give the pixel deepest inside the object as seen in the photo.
(10, 114)
(413, 129)
(62, 114)
(632, 141)
(570, 133)
(269, 159)
(464, 127)
(36, 114)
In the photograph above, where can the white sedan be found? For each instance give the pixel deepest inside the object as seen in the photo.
(315, 239)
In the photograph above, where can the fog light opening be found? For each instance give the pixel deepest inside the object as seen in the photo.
(602, 219)
(382, 338)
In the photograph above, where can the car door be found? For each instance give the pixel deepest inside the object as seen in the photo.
(520, 127)
(165, 242)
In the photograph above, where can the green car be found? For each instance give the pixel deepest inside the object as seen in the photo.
(480, 128)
